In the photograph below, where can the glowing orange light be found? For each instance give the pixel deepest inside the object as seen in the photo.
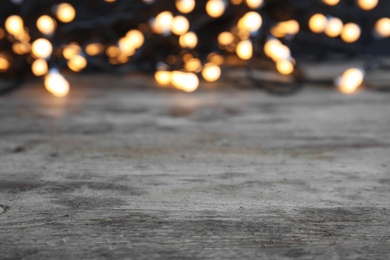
(185, 6)
(284, 67)
(351, 32)
(42, 48)
(39, 67)
(331, 2)
(65, 12)
(46, 24)
(317, 23)
(211, 72)
(244, 50)
(367, 4)
(215, 8)
(14, 25)
(56, 84)
(162, 77)
(382, 27)
(351, 80)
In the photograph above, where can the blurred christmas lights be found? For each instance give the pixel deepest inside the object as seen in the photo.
(191, 39)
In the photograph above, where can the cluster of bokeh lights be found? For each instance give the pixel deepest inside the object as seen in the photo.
(238, 41)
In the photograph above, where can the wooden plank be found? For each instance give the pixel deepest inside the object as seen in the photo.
(124, 173)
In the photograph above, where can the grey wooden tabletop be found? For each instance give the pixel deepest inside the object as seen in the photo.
(114, 171)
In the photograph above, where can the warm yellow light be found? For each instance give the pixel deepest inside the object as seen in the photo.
(188, 40)
(193, 65)
(180, 25)
(163, 22)
(185, 81)
(317, 23)
(251, 21)
(331, 2)
(14, 25)
(4, 63)
(382, 27)
(77, 63)
(123, 58)
(56, 84)
(46, 24)
(225, 38)
(162, 77)
(211, 72)
(244, 50)
(334, 27)
(126, 47)
(236, 2)
(136, 37)
(185, 6)
(276, 50)
(285, 67)
(112, 51)
(351, 32)
(215, 8)
(93, 49)
(217, 59)
(65, 12)
(367, 4)
(289, 27)
(39, 67)
(71, 50)
(254, 4)
(2, 33)
(350, 80)
(42, 48)
(21, 48)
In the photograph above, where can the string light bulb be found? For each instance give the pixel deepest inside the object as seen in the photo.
(71, 50)
(334, 27)
(331, 2)
(350, 81)
(185, 81)
(162, 77)
(211, 72)
(350, 33)
(136, 37)
(215, 8)
(225, 38)
(93, 49)
(317, 23)
(284, 67)
(77, 63)
(4, 63)
(56, 84)
(251, 21)
(42, 48)
(244, 50)
(185, 6)
(65, 12)
(163, 21)
(180, 25)
(188, 40)
(39, 67)
(382, 27)
(367, 4)
(46, 24)
(14, 25)
(254, 4)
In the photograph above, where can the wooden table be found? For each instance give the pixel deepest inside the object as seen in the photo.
(121, 172)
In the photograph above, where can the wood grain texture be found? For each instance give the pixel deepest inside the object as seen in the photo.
(123, 172)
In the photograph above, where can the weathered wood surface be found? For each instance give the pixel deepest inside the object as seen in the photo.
(140, 174)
